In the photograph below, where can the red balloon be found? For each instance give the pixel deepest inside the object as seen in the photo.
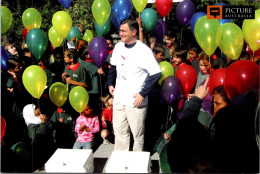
(188, 77)
(25, 31)
(240, 77)
(163, 7)
(3, 128)
(216, 79)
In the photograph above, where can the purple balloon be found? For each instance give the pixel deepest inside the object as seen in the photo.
(159, 30)
(184, 12)
(206, 104)
(171, 90)
(98, 50)
(4, 58)
(194, 19)
(65, 3)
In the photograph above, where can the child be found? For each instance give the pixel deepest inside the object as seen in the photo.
(87, 125)
(106, 118)
(158, 52)
(170, 40)
(63, 128)
(74, 74)
(179, 57)
(194, 51)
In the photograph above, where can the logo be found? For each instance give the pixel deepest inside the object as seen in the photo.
(230, 12)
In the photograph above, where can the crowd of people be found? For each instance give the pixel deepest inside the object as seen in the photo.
(125, 106)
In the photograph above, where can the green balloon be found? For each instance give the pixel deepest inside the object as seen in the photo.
(31, 19)
(149, 19)
(58, 93)
(6, 19)
(88, 36)
(139, 5)
(34, 80)
(103, 29)
(37, 42)
(208, 34)
(101, 10)
(166, 70)
(78, 98)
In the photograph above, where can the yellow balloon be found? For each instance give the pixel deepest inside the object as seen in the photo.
(166, 70)
(62, 23)
(31, 19)
(208, 34)
(101, 10)
(251, 31)
(58, 93)
(78, 98)
(34, 80)
(55, 38)
(88, 36)
(232, 40)
(139, 5)
(6, 19)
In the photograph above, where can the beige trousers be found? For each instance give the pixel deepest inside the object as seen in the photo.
(126, 118)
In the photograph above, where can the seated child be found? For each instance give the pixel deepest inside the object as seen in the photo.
(106, 119)
(87, 124)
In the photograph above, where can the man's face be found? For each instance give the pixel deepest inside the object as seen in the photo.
(126, 34)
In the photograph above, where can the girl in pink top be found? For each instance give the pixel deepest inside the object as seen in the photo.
(87, 125)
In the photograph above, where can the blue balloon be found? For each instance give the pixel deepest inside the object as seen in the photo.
(195, 17)
(223, 21)
(4, 58)
(98, 50)
(65, 3)
(120, 11)
(101, 30)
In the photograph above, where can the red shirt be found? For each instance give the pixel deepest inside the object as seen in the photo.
(107, 114)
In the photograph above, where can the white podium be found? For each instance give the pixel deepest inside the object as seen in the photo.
(70, 161)
(128, 162)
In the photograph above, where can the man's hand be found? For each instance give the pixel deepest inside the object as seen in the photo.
(138, 100)
(111, 90)
(203, 90)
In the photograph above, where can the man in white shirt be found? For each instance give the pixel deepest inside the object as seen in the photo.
(133, 73)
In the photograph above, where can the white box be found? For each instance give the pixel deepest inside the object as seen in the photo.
(128, 162)
(71, 161)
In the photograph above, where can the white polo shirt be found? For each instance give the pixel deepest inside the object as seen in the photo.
(133, 65)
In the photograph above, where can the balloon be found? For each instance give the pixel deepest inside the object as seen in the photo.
(58, 93)
(6, 19)
(25, 32)
(139, 5)
(88, 36)
(65, 3)
(232, 41)
(31, 19)
(34, 80)
(98, 50)
(37, 42)
(101, 10)
(184, 12)
(206, 104)
(223, 21)
(55, 38)
(240, 77)
(208, 34)
(188, 77)
(3, 127)
(78, 98)
(194, 19)
(163, 7)
(166, 70)
(171, 90)
(120, 11)
(149, 19)
(104, 29)
(4, 58)
(159, 30)
(251, 30)
(74, 32)
(20, 152)
(62, 23)
(216, 79)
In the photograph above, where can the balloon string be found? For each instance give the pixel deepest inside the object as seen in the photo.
(101, 91)
(38, 103)
(253, 56)
(181, 37)
(168, 118)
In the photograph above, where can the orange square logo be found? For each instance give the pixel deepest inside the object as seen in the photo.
(214, 12)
